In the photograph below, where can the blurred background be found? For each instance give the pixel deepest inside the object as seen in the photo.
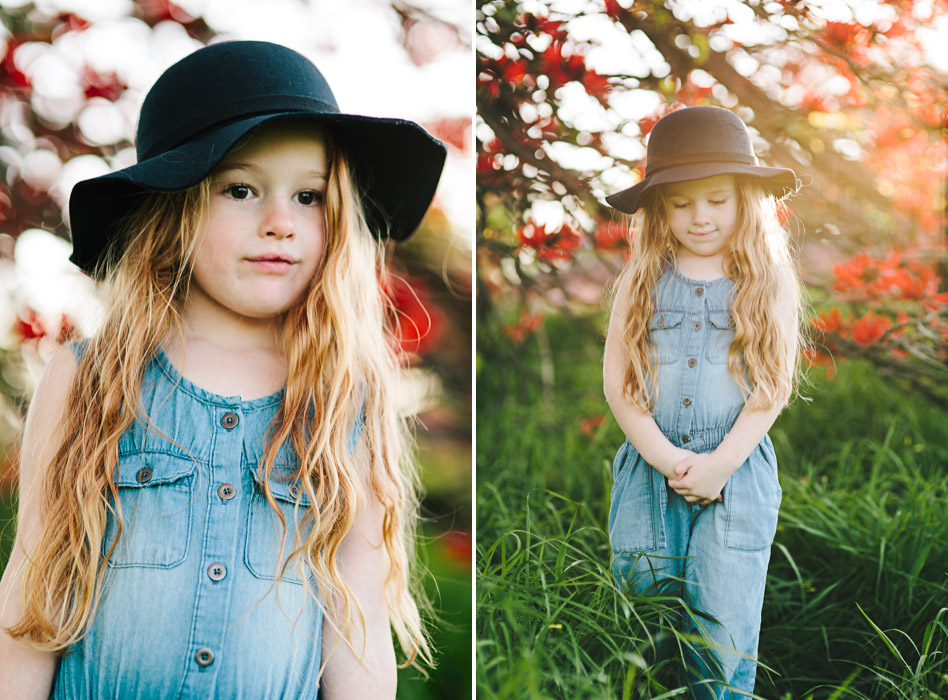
(72, 78)
(851, 94)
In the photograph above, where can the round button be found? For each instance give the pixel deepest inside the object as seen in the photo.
(686, 401)
(660, 322)
(143, 475)
(226, 491)
(692, 362)
(699, 291)
(204, 657)
(697, 325)
(294, 490)
(216, 572)
(685, 439)
(230, 420)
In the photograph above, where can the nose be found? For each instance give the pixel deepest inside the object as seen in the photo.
(277, 221)
(702, 212)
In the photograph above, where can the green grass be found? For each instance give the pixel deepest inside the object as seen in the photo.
(857, 588)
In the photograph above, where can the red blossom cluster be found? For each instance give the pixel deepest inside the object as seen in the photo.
(525, 325)
(458, 546)
(30, 328)
(418, 323)
(611, 235)
(871, 278)
(550, 246)
(591, 424)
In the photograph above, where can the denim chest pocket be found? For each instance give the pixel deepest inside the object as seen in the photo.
(156, 492)
(265, 532)
(664, 333)
(720, 335)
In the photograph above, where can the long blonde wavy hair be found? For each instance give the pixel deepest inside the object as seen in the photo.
(339, 349)
(766, 304)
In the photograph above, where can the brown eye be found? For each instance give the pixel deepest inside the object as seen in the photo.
(309, 198)
(238, 192)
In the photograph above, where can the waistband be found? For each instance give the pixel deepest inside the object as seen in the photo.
(699, 440)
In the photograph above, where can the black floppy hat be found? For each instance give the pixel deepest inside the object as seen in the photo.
(698, 142)
(206, 103)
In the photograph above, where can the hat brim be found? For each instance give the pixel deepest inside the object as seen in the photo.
(397, 166)
(781, 181)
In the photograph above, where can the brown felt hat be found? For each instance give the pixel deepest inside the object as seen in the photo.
(698, 142)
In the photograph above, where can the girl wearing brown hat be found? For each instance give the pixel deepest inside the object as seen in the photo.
(217, 490)
(701, 356)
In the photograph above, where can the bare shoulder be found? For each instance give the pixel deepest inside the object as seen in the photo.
(45, 414)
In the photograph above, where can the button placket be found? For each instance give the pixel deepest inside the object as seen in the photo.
(220, 551)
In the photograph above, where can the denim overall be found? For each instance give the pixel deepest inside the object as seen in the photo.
(190, 607)
(721, 550)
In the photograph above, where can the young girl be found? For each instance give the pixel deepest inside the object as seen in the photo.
(217, 494)
(701, 356)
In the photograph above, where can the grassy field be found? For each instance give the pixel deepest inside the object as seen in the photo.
(857, 588)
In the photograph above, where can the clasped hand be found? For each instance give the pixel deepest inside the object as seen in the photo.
(699, 478)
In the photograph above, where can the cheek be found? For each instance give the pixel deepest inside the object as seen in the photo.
(678, 222)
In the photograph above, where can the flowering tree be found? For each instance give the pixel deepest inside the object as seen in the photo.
(852, 103)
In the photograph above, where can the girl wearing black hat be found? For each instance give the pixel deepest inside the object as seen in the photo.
(701, 356)
(217, 490)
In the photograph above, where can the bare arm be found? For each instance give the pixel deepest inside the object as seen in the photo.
(363, 564)
(26, 673)
(639, 427)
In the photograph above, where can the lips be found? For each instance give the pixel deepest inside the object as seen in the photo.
(272, 262)
(274, 257)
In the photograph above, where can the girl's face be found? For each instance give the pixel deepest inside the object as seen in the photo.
(702, 214)
(265, 229)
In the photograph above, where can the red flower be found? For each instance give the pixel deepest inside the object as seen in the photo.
(591, 424)
(860, 272)
(552, 245)
(28, 326)
(417, 324)
(12, 76)
(818, 358)
(526, 324)
(455, 131)
(96, 85)
(828, 323)
(459, 547)
(870, 328)
(610, 235)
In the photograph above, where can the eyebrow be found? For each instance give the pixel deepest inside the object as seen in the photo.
(229, 167)
(720, 190)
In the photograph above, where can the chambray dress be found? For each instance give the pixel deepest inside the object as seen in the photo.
(720, 551)
(190, 608)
